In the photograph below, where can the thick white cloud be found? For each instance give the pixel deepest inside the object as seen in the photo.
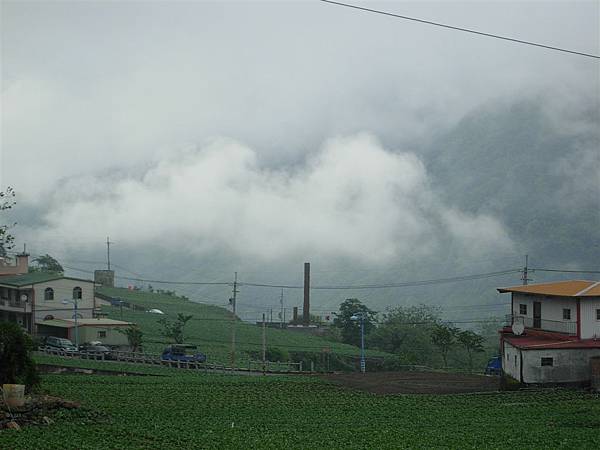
(352, 199)
(90, 86)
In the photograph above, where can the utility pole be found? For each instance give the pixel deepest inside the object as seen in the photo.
(281, 318)
(360, 316)
(233, 301)
(108, 251)
(264, 344)
(525, 278)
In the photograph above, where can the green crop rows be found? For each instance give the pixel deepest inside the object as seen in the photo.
(224, 411)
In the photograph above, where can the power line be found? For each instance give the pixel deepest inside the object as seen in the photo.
(391, 285)
(331, 287)
(466, 30)
(145, 280)
(565, 270)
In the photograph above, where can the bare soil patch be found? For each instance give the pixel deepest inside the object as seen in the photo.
(416, 382)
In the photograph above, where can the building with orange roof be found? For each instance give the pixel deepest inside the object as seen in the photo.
(553, 332)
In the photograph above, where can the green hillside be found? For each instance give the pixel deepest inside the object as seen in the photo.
(210, 328)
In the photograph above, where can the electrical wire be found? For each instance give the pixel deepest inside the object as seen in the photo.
(390, 285)
(564, 271)
(317, 287)
(466, 30)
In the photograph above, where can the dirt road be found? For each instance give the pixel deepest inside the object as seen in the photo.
(415, 382)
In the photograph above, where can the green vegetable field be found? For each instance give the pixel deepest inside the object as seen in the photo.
(226, 411)
(210, 328)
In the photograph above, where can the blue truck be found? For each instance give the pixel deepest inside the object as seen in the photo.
(180, 352)
(494, 366)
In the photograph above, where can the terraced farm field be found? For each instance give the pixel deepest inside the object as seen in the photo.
(210, 328)
(225, 411)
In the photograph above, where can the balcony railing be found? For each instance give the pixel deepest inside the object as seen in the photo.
(558, 326)
(12, 303)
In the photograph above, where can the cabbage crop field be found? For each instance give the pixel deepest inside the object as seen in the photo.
(226, 411)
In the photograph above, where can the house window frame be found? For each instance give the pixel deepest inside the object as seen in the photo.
(101, 334)
(547, 361)
(598, 315)
(523, 309)
(48, 294)
(566, 313)
(77, 293)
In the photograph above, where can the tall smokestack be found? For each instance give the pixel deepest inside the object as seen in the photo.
(306, 311)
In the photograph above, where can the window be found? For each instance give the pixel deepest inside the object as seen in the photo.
(101, 334)
(49, 294)
(598, 314)
(566, 314)
(547, 361)
(515, 360)
(77, 293)
(523, 310)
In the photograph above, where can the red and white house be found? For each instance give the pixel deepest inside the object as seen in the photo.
(554, 330)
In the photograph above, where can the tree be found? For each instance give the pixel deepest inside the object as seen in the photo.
(444, 337)
(6, 239)
(174, 330)
(46, 263)
(16, 364)
(350, 329)
(471, 342)
(134, 336)
(406, 331)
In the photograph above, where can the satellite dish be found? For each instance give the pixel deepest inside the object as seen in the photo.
(518, 328)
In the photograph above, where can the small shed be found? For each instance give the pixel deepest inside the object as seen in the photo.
(98, 329)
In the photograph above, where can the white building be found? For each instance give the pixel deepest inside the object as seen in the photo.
(554, 331)
(30, 298)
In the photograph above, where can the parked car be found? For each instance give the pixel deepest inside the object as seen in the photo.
(178, 352)
(494, 366)
(61, 345)
(97, 350)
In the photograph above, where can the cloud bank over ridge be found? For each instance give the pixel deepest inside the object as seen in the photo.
(353, 198)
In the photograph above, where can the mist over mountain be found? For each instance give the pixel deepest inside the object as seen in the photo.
(207, 138)
(538, 174)
(503, 182)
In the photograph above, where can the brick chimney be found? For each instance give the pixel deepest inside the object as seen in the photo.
(20, 267)
(306, 309)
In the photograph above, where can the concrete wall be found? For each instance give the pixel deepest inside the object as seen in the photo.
(105, 277)
(63, 289)
(552, 307)
(511, 361)
(590, 327)
(89, 333)
(569, 365)
(17, 267)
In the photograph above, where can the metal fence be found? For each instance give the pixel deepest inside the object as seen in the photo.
(156, 359)
(565, 326)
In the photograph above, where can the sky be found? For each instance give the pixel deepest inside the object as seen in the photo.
(269, 130)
